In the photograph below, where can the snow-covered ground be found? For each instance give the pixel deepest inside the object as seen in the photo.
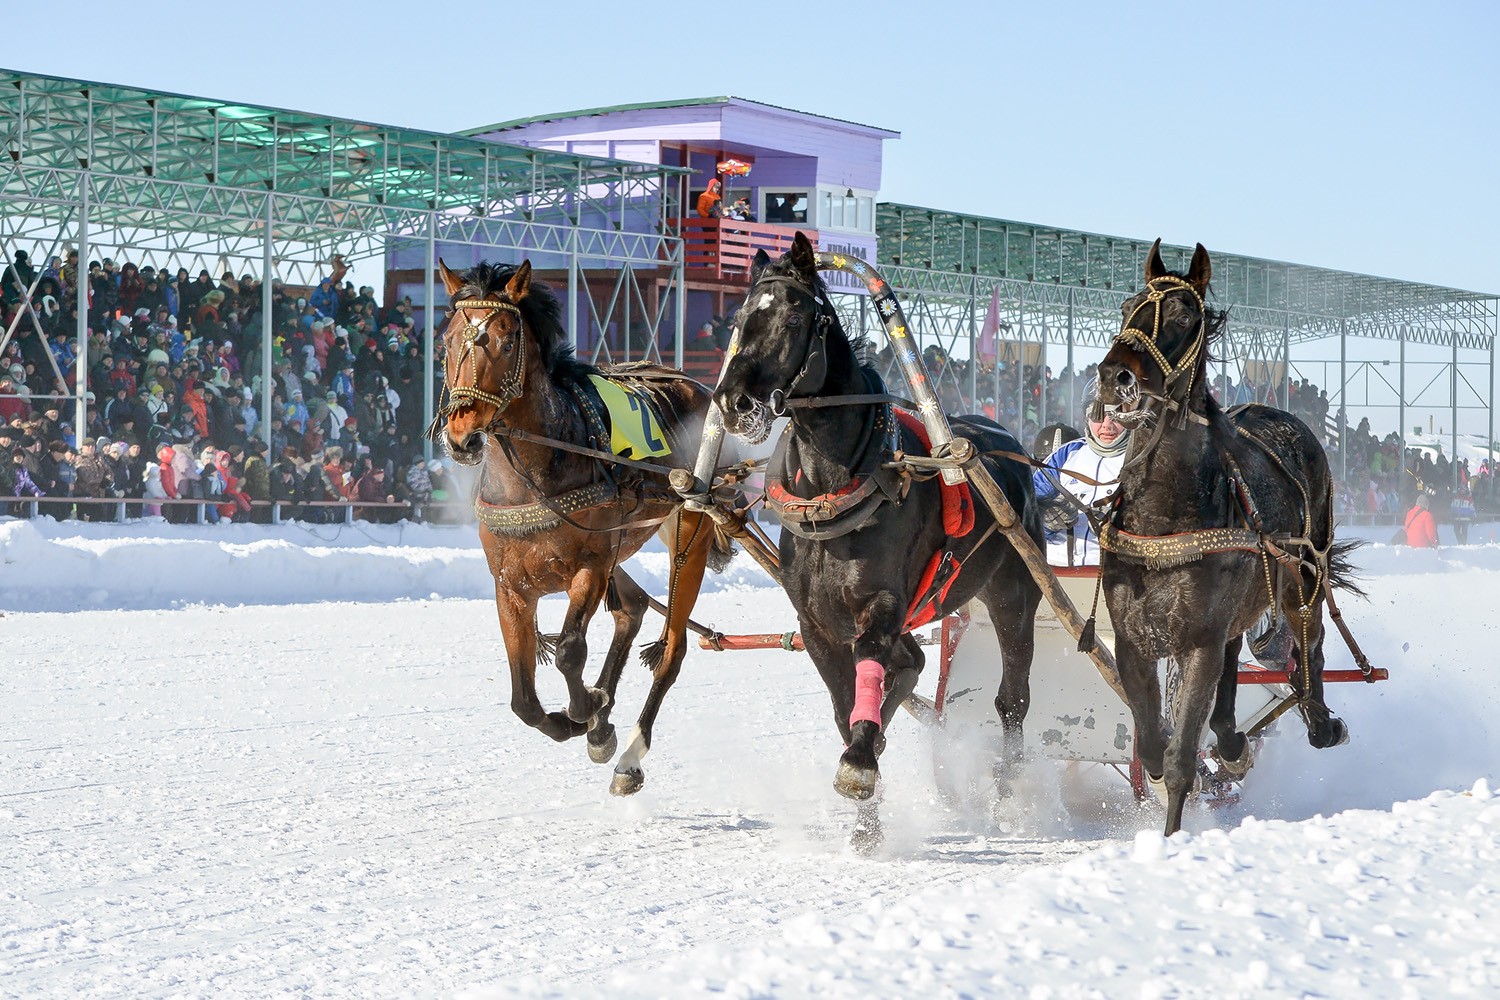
(288, 766)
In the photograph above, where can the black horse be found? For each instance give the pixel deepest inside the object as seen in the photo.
(858, 539)
(1220, 516)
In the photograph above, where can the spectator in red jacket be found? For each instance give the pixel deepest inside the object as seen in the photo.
(1421, 529)
(372, 488)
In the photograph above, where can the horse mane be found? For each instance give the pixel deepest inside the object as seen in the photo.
(541, 312)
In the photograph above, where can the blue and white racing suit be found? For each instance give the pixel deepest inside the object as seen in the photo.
(1076, 456)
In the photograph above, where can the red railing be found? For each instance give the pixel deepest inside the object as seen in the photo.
(727, 247)
(703, 364)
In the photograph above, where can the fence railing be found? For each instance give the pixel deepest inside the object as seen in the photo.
(116, 509)
(727, 246)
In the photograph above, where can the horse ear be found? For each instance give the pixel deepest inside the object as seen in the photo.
(519, 285)
(1154, 267)
(803, 257)
(758, 265)
(451, 280)
(1200, 271)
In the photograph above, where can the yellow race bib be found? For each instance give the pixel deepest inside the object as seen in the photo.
(633, 428)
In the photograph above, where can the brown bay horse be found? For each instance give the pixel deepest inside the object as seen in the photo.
(557, 521)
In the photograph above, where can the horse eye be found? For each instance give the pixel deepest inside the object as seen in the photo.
(508, 346)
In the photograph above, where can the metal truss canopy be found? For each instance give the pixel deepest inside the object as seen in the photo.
(139, 138)
(1296, 301)
(175, 181)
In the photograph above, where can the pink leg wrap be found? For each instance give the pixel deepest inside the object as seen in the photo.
(869, 691)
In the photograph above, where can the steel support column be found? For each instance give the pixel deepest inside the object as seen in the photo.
(1041, 380)
(1453, 405)
(267, 329)
(973, 356)
(81, 408)
(1072, 413)
(679, 319)
(1343, 395)
(1401, 402)
(429, 337)
(1489, 441)
(1286, 365)
(573, 289)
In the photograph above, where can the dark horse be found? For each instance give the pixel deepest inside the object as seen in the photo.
(1207, 499)
(556, 521)
(852, 578)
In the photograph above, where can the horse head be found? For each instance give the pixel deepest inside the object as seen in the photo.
(1159, 352)
(779, 350)
(503, 331)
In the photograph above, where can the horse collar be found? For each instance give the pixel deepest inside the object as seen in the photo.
(515, 379)
(838, 512)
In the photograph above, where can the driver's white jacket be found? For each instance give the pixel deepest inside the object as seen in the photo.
(1076, 456)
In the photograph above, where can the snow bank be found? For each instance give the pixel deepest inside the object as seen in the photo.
(71, 566)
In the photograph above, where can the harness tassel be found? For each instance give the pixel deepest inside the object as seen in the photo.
(1086, 636)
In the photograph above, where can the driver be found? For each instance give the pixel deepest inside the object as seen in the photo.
(1098, 455)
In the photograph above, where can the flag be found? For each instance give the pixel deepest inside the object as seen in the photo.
(987, 349)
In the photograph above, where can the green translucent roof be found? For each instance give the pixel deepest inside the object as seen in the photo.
(1308, 298)
(51, 122)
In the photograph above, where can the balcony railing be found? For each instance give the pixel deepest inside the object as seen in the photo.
(727, 247)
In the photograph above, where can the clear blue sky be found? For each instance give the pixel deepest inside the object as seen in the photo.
(1355, 136)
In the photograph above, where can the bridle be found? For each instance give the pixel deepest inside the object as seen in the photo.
(512, 385)
(1175, 389)
(1156, 291)
(814, 369)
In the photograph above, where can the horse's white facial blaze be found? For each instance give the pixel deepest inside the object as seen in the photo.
(764, 301)
(635, 751)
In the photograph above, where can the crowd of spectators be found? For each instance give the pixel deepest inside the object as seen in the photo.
(173, 390)
(1371, 484)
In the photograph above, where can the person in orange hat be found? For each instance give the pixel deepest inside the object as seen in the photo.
(711, 201)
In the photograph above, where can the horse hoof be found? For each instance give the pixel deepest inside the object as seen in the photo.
(1329, 734)
(856, 783)
(627, 782)
(599, 697)
(1235, 770)
(604, 751)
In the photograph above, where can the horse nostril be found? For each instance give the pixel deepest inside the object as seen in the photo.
(473, 441)
(1124, 378)
(743, 403)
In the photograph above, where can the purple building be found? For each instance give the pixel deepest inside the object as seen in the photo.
(809, 172)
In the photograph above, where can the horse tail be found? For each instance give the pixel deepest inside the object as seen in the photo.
(1341, 572)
